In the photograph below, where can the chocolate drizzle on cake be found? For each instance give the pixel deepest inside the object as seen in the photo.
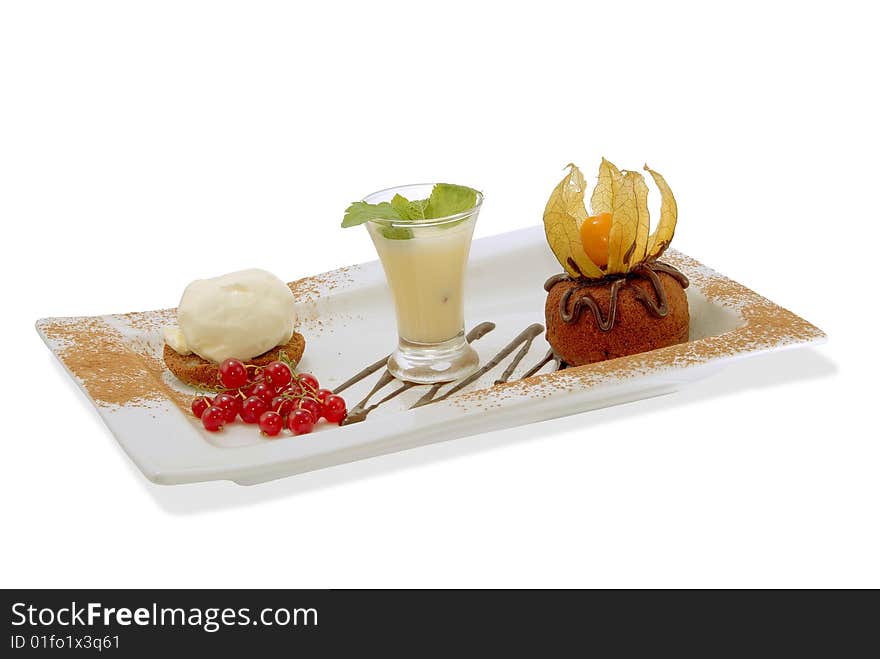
(578, 297)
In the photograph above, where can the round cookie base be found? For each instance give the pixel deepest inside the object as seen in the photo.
(197, 372)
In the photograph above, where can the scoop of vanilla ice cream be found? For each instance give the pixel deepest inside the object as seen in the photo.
(241, 315)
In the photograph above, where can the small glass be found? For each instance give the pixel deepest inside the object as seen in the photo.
(424, 262)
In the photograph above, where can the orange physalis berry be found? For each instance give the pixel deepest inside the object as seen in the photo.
(594, 237)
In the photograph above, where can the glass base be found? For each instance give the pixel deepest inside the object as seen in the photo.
(430, 363)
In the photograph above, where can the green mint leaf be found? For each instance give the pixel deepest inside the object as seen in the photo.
(401, 204)
(409, 210)
(396, 233)
(360, 212)
(448, 199)
(416, 209)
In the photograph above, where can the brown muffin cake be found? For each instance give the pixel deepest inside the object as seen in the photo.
(592, 321)
(198, 372)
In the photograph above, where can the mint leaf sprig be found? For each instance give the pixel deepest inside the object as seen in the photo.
(360, 212)
(446, 199)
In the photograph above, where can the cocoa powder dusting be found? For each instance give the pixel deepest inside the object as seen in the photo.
(112, 372)
(311, 288)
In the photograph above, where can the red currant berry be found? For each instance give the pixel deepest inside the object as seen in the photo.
(333, 409)
(233, 374)
(229, 403)
(278, 374)
(282, 405)
(311, 407)
(294, 389)
(309, 382)
(252, 409)
(213, 418)
(300, 422)
(322, 394)
(271, 423)
(264, 391)
(199, 405)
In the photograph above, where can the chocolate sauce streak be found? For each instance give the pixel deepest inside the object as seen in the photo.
(570, 311)
(571, 315)
(675, 273)
(525, 337)
(428, 397)
(549, 357)
(555, 279)
(627, 257)
(523, 341)
(363, 408)
(659, 308)
(357, 377)
(519, 357)
(574, 266)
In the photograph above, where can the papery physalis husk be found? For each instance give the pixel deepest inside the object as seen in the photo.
(563, 215)
(662, 236)
(630, 222)
(601, 201)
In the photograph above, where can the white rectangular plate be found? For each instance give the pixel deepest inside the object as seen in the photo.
(347, 318)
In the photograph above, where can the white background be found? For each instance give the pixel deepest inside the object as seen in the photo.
(146, 144)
